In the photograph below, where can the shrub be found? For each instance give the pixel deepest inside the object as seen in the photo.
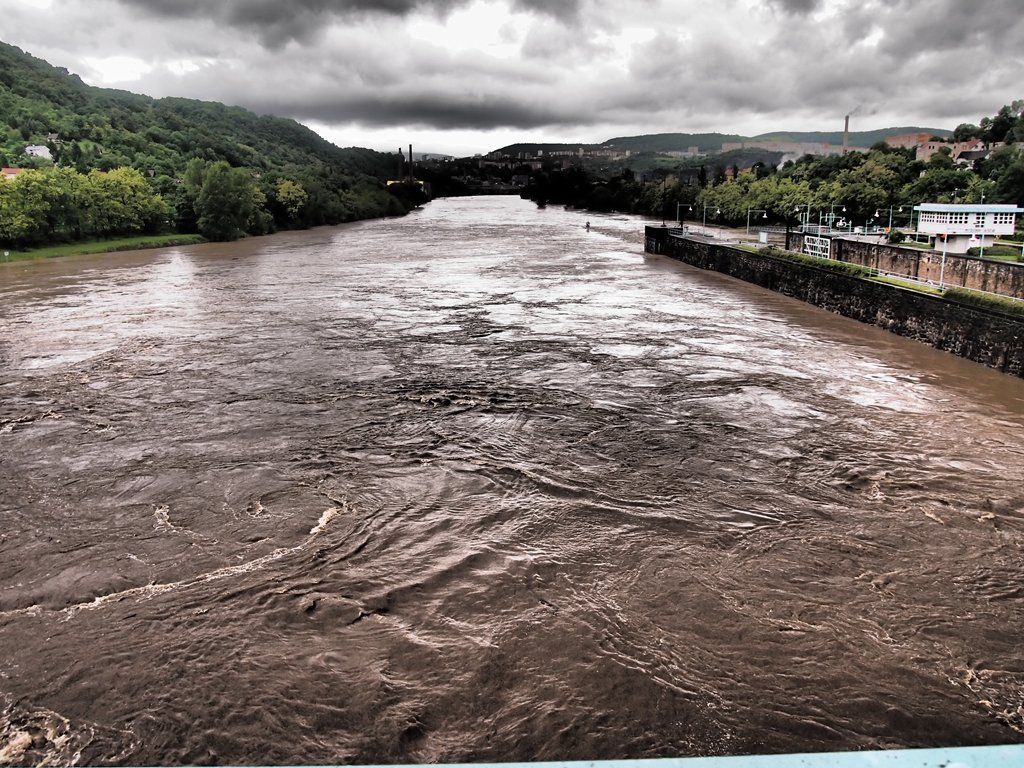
(842, 267)
(996, 250)
(986, 301)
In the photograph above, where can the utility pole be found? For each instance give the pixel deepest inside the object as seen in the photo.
(984, 219)
(942, 267)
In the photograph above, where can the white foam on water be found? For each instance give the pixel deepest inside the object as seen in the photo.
(325, 518)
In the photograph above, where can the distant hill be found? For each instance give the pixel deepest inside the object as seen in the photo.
(712, 142)
(672, 142)
(103, 128)
(533, 149)
(857, 138)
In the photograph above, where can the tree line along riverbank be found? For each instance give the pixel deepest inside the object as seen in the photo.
(113, 164)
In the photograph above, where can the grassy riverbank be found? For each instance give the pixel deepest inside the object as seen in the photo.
(102, 246)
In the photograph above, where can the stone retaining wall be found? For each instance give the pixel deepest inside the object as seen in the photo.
(991, 338)
(1005, 278)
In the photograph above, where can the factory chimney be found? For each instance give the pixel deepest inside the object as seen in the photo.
(846, 136)
(411, 178)
(401, 165)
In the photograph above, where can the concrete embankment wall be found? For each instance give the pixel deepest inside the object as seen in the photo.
(964, 271)
(984, 336)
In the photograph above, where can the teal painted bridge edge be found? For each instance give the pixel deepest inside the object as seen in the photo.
(954, 757)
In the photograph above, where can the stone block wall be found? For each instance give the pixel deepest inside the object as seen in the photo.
(1005, 278)
(988, 337)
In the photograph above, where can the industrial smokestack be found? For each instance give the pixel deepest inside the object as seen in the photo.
(846, 136)
(410, 163)
(401, 165)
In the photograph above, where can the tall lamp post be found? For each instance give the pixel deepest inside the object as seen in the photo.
(984, 219)
(879, 211)
(942, 266)
(831, 214)
(679, 207)
(755, 210)
(664, 186)
(704, 224)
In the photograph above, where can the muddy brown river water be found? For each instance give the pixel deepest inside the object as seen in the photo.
(477, 484)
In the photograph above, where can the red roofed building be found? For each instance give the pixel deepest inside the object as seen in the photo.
(10, 173)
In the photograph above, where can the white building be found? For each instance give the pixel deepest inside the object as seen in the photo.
(39, 150)
(966, 226)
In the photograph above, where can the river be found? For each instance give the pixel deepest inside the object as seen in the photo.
(478, 484)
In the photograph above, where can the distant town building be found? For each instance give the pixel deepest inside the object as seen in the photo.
(967, 225)
(794, 149)
(688, 152)
(968, 157)
(38, 150)
(926, 150)
(10, 173)
(908, 140)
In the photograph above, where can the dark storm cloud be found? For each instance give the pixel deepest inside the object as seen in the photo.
(795, 6)
(566, 10)
(953, 27)
(670, 65)
(436, 111)
(277, 22)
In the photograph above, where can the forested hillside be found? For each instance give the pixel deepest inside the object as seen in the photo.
(294, 177)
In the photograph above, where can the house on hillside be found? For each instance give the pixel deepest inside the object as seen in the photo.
(956, 148)
(38, 150)
(11, 173)
(970, 156)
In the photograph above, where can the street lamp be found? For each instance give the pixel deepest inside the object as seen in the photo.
(755, 210)
(879, 211)
(664, 188)
(831, 214)
(679, 207)
(704, 225)
(942, 267)
(806, 217)
(984, 219)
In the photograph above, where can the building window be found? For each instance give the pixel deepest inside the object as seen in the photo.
(1004, 218)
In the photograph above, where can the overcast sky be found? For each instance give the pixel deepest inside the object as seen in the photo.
(466, 76)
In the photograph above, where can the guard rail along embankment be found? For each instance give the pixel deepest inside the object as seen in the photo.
(971, 272)
(985, 336)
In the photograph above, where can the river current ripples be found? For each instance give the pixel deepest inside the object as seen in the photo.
(477, 484)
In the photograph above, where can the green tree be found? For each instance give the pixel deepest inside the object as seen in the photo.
(1010, 185)
(228, 202)
(291, 196)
